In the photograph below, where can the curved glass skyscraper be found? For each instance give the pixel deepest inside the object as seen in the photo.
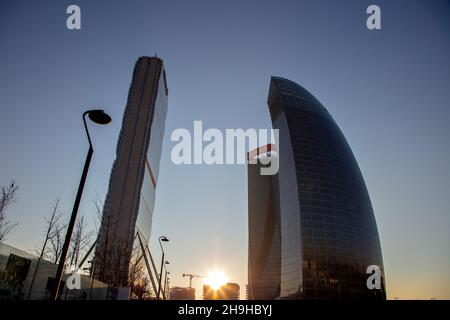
(328, 230)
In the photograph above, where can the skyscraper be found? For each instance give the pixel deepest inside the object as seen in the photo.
(328, 232)
(129, 203)
(264, 249)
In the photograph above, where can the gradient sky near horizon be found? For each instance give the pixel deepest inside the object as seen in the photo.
(388, 90)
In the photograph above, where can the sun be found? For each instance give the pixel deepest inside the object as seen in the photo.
(216, 279)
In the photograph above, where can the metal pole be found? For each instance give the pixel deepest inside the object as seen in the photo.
(166, 288)
(165, 281)
(73, 217)
(146, 262)
(155, 270)
(160, 275)
(87, 255)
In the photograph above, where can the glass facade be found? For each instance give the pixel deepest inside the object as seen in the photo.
(151, 172)
(263, 235)
(328, 230)
(130, 200)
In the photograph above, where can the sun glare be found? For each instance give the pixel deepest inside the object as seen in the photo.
(216, 279)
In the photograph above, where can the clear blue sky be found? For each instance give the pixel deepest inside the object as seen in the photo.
(388, 90)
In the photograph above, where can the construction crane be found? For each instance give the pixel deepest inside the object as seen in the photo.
(192, 276)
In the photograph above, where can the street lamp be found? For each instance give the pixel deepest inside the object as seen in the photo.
(162, 238)
(165, 278)
(99, 117)
(166, 287)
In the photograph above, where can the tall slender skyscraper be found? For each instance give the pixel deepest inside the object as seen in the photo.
(129, 204)
(264, 249)
(328, 232)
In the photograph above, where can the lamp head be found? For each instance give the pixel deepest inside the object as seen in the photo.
(99, 117)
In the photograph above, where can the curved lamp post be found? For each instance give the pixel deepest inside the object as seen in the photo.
(162, 238)
(99, 117)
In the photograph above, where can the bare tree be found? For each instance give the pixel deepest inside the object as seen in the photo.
(51, 223)
(118, 262)
(111, 254)
(98, 213)
(7, 197)
(57, 242)
(138, 280)
(80, 241)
